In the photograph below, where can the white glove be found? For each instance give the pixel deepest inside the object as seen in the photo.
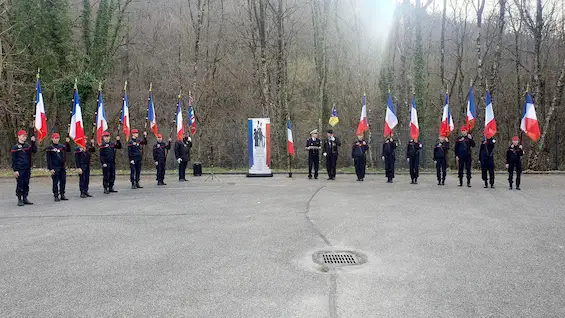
(383, 158)
(104, 165)
(332, 138)
(325, 154)
(189, 139)
(179, 160)
(132, 162)
(156, 163)
(408, 159)
(520, 146)
(470, 137)
(79, 171)
(506, 165)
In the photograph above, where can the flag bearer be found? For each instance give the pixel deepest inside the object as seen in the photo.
(182, 153)
(21, 164)
(82, 160)
(413, 157)
(134, 154)
(56, 158)
(331, 152)
(440, 159)
(486, 157)
(389, 156)
(108, 161)
(160, 150)
(463, 154)
(313, 145)
(360, 147)
(514, 161)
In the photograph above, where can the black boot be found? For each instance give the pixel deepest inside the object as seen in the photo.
(57, 198)
(106, 191)
(87, 195)
(416, 181)
(492, 186)
(486, 185)
(518, 187)
(26, 201)
(133, 186)
(439, 182)
(63, 198)
(468, 183)
(112, 190)
(138, 186)
(20, 202)
(443, 182)
(460, 182)
(510, 187)
(82, 195)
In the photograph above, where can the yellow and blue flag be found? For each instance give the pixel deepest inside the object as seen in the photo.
(333, 117)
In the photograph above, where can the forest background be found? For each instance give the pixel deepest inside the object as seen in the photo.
(287, 59)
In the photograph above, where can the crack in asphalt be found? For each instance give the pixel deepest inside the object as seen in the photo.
(309, 220)
(333, 276)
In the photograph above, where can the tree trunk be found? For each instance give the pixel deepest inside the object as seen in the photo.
(540, 155)
(497, 52)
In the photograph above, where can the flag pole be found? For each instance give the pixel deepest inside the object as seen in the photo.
(288, 153)
(32, 124)
(95, 119)
(71, 112)
(122, 110)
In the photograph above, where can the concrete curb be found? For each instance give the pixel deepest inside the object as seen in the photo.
(322, 172)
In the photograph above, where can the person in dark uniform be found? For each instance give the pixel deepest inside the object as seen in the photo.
(21, 164)
(360, 147)
(313, 145)
(413, 157)
(56, 158)
(440, 159)
(486, 157)
(463, 154)
(134, 154)
(82, 161)
(160, 150)
(182, 153)
(514, 161)
(108, 161)
(389, 157)
(331, 152)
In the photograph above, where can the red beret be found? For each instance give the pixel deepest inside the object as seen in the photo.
(464, 128)
(105, 133)
(515, 138)
(135, 131)
(159, 136)
(22, 132)
(55, 135)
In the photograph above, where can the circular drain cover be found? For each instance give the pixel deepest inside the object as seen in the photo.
(339, 258)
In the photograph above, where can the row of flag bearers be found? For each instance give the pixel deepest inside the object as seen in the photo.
(56, 155)
(463, 152)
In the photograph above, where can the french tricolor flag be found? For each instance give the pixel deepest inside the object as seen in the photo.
(529, 123)
(77, 128)
(447, 125)
(471, 111)
(363, 123)
(151, 116)
(390, 118)
(40, 116)
(101, 122)
(414, 127)
(290, 144)
(125, 114)
(490, 122)
(180, 125)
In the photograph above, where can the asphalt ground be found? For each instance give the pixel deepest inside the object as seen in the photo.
(242, 247)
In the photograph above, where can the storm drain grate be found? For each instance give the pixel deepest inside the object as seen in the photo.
(339, 258)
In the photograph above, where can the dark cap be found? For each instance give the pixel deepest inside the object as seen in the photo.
(330, 131)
